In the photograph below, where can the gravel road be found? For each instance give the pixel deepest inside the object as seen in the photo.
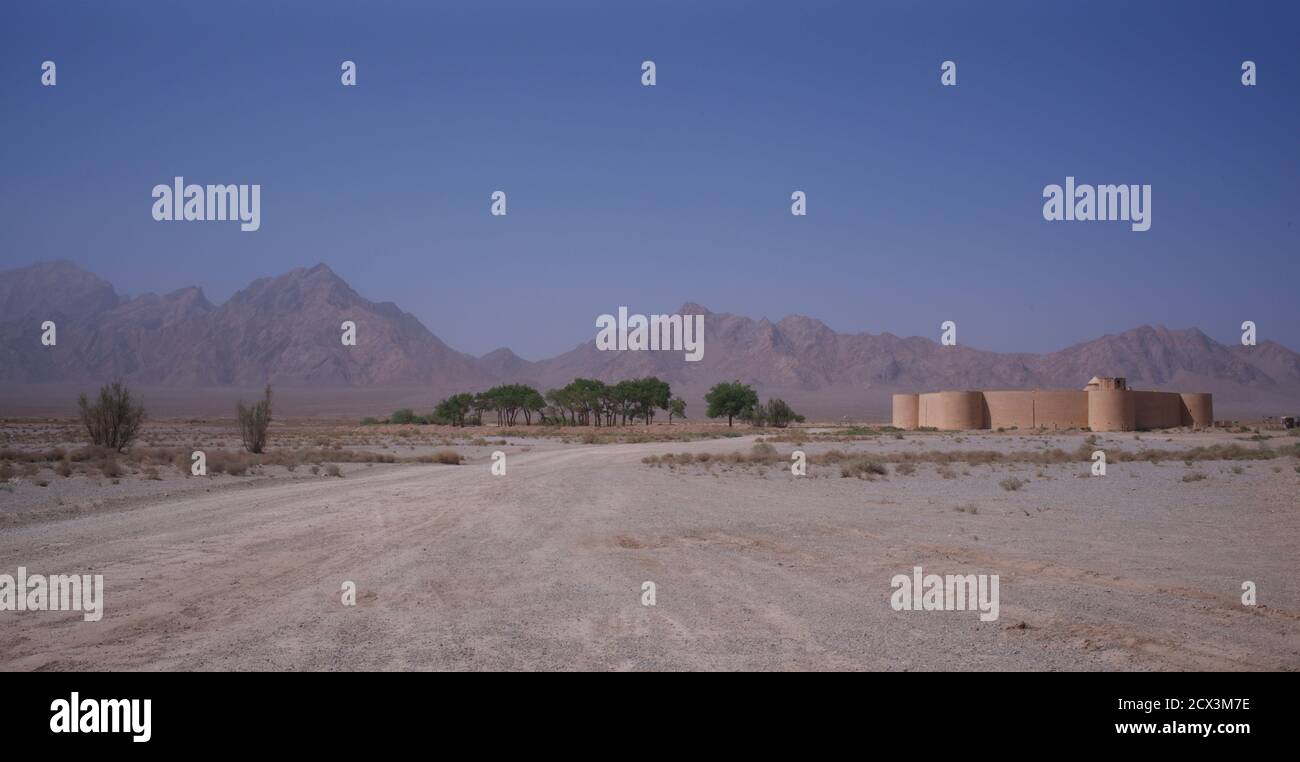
(543, 569)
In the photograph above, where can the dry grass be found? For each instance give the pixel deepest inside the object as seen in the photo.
(760, 454)
(147, 461)
(862, 468)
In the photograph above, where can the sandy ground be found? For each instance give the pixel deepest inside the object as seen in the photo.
(754, 569)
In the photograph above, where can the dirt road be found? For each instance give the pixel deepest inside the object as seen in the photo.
(543, 569)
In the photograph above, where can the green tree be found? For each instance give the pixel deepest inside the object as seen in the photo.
(730, 399)
(677, 407)
(652, 394)
(509, 400)
(453, 409)
(531, 401)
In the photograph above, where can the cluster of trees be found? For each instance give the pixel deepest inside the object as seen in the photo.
(583, 402)
(587, 401)
(508, 401)
(736, 400)
(590, 402)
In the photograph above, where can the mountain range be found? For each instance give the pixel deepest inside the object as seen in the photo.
(285, 330)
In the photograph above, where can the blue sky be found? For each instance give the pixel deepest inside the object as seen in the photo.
(924, 201)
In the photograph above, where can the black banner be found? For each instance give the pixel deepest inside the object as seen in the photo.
(212, 712)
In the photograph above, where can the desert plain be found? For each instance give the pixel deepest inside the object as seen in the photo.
(753, 567)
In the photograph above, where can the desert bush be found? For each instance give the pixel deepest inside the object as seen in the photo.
(254, 423)
(110, 467)
(333, 470)
(404, 416)
(1193, 477)
(64, 468)
(447, 457)
(862, 468)
(906, 469)
(780, 414)
(1011, 484)
(114, 419)
(763, 449)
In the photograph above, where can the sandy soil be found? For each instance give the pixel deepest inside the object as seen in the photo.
(755, 569)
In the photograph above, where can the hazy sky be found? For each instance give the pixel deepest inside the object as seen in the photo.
(924, 202)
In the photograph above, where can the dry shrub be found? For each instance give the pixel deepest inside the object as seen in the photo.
(254, 422)
(862, 468)
(114, 419)
(1011, 484)
(447, 457)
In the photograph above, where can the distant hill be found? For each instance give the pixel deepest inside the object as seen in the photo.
(285, 331)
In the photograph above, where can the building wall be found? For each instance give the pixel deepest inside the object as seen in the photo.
(1007, 409)
(1098, 409)
(1058, 409)
(907, 411)
(1110, 410)
(1157, 410)
(952, 411)
(1198, 409)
